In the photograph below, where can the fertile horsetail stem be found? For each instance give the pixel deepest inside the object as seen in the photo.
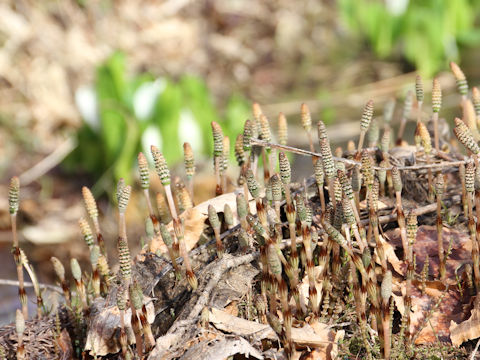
(397, 186)
(13, 203)
(365, 123)
(92, 211)
(189, 162)
(419, 95)
(461, 80)
(436, 105)
(217, 155)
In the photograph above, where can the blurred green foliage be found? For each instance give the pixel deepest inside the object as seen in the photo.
(427, 32)
(128, 111)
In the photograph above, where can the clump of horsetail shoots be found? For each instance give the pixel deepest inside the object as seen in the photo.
(60, 272)
(397, 186)
(407, 107)
(365, 123)
(80, 285)
(122, 305)
(320, 179)
(189, 162)
(419, 95)
(137, 300)
(215, 224)
(461, 80)
(13, 203)
(436, 105)
(92, 211)
(470, 188)
(217, 155)
(439, 190)
(164, 175)
(20, 329)
(306, 120)
(282, 130)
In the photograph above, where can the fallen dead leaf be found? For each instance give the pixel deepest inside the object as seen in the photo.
(426, 244)
(104, 328)
(306, 336)
(194, 224)
(195, 219)
(450, 308)
(468, 329)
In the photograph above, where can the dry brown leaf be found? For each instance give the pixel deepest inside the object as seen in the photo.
(426, 244)
(104, 327)
(194, 223)
(450, 308)
(467, 330)
(306, 336)
(195, 219)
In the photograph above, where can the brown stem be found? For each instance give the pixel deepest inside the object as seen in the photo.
(441, 254)
(435, 131)
(401, 223)
(18, 261)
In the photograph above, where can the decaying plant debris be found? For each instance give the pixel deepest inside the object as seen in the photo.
(374, 256)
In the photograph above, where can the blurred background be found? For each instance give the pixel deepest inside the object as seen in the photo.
(85, 85)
